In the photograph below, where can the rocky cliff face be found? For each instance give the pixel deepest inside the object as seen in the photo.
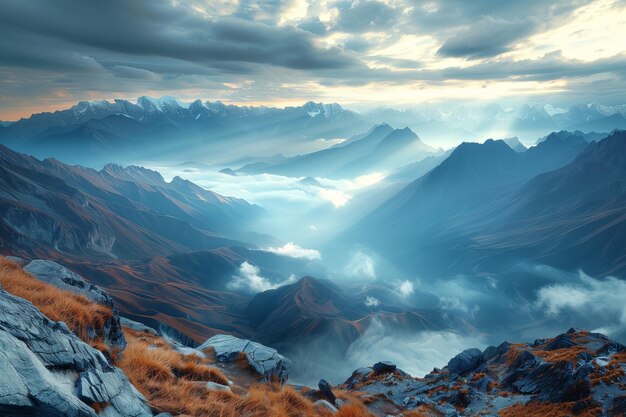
(575, 373)
(46, 370)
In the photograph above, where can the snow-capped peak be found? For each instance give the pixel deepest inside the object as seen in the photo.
(159, 104)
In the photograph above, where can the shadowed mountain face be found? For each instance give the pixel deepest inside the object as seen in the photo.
(94, 133)
(572, 217)
(486, 207)
(51, 207)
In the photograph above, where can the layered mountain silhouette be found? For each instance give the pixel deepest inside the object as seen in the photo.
(98, 132)
(380, 148)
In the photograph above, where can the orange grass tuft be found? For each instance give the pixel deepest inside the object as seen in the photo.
(566, 354)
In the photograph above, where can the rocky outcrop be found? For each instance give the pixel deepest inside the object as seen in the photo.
(46, 370)
(575, 373)
(466, 361)
(384, 367)
(55, 274)
(265, 361)
(326, 391)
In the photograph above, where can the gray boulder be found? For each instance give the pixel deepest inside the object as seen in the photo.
(214, 386)
(466, 361)
(328, 406)
(266, 361)
(46, 370)
(55, 274)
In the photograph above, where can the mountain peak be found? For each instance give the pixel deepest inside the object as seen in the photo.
(515, 144)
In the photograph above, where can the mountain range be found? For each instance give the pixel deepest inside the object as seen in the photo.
(94, 133)
(97, 132)
(525, 121)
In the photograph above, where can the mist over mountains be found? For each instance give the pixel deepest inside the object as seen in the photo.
(315, 228)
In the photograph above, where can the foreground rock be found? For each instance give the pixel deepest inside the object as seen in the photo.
(265, 361)
(46, 370)
(55, 274)
(576, 373)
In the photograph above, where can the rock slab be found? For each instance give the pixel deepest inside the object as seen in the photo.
(266, 361)
(46, 370)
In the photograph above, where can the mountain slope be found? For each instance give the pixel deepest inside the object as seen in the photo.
(604, 124)
(50, 207)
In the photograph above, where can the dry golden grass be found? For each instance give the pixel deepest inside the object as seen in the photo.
(78, 312)
(175, 383)
(535, 409)
(566, 354)
(613, 371)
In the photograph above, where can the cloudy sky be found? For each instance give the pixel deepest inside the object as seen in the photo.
(360, 53)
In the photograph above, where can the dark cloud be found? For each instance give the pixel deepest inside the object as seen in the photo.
(488, 37)
(552, 66)
(134, 73)
(440, 16)
(157, 28)
(486, 28)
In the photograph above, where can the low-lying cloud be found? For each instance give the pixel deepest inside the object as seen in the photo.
(249, 280)
(588, 299)
(371, 301)
(361, 266)
(415, 353)
(292, 250)
(405, 288)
